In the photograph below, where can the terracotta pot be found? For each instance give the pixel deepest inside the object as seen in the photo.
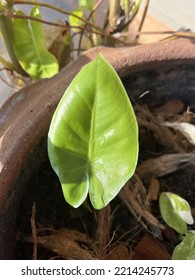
(163, 68)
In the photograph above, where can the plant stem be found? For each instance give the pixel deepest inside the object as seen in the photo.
(6, 63)
(62, 11)
(98, 3)
(114, 13)
(96, 6)
(98, 32)
(11, 15)
(143, 17)
(173, 34)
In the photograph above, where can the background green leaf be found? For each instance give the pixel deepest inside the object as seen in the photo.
(186, 249)
(181, 207)
(88, 4)
(74, 21)
(175, 211)
(93, 137)
(30, 48)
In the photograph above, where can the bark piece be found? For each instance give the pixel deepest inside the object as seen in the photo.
(150, 248)
(164, 165)
(69, 244)
(134, 195)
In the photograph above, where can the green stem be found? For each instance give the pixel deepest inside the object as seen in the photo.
(7, 34)
(6, 63)
(135, 7)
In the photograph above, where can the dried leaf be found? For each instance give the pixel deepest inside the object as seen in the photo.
(59, 42)
(187, 129)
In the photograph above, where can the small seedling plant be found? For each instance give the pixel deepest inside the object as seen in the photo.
(93, 148)
(93, 136)
(176, 213)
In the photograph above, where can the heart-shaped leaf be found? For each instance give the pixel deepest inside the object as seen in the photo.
(186, 249)
(175, 211)
(30, 47)
(93, 137)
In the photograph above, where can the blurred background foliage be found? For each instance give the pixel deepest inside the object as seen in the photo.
(39, 48)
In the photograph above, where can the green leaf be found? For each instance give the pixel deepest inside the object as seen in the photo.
(88, 4)
(186, 249)
(30, 48)
(93, 136)
(74, 21)
(135, 7)
(175, 211)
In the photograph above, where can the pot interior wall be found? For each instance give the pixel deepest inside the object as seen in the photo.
(161, 84)
(10, 209)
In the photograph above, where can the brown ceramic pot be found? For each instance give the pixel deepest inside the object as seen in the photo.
(165, 69)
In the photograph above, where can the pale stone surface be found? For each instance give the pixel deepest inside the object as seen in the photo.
(176, 14)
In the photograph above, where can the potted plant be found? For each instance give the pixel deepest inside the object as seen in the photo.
(25, 118)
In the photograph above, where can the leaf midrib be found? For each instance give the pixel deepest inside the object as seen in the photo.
(35, 45)
(92, 132)
(92, 125)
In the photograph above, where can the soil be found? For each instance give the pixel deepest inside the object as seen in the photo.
(131, 226)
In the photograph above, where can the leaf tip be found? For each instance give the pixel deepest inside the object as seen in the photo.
(101, 57)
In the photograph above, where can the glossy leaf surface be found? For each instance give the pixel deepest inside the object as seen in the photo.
(186, 249)
(30, 48)
(175, 211)
(93, 136)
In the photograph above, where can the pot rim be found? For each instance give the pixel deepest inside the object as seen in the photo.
(25, 117)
